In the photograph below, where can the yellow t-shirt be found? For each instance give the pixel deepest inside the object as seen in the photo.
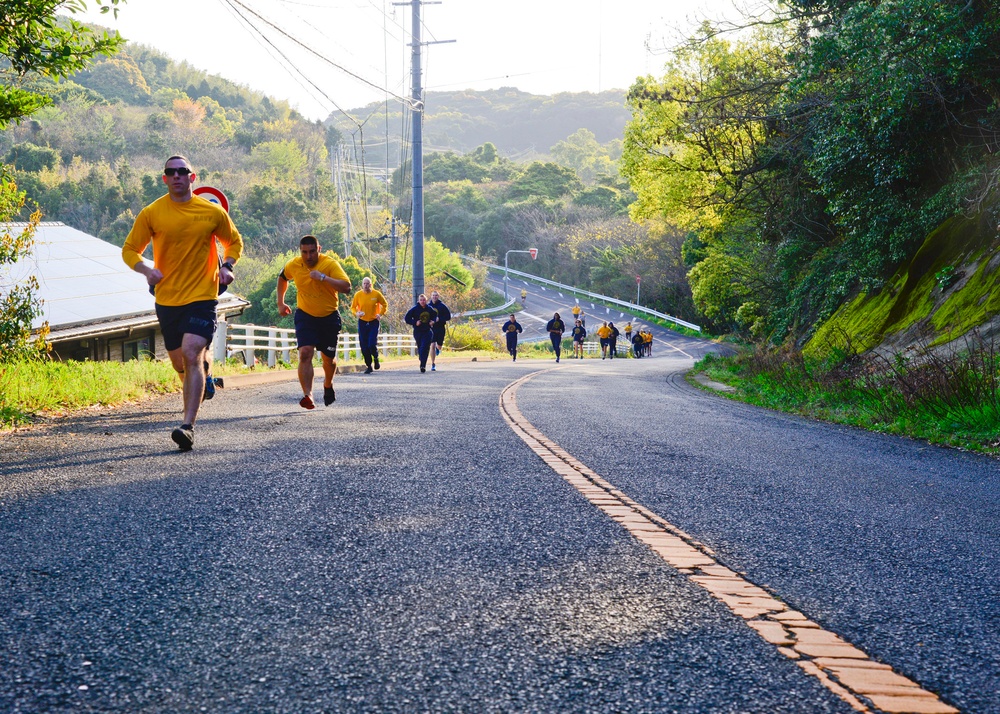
(576, 311)
(604, 332)
(372, 304)
(183, 247)
(648, 337)
(315, 297)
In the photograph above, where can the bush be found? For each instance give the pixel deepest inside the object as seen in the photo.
(471, 337)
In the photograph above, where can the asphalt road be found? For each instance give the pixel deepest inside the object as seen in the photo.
(404, 551)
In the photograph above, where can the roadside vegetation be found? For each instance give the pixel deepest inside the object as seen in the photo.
(950, 399)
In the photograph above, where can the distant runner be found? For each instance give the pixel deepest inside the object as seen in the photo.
(579, 333)
(604, 332)
(613, 340)
(421, 317)
(511, 328)
(368, 305)
(556, 327)
(438, 328)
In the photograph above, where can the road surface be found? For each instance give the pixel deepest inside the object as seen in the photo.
(407, 550)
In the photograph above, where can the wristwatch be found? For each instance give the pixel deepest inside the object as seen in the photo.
(229, 265)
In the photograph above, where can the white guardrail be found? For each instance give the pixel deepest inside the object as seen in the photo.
(232, 339)
(631, 307)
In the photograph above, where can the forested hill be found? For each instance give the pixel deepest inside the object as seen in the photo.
(522, 126)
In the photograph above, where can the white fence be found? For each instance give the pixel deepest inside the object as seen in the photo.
(232, 339)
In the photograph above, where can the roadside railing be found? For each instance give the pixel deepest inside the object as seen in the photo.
(246, 340)
(631, 307)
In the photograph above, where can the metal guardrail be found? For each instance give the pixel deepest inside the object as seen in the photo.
(631, 307)
(486, 311)
(232, 339)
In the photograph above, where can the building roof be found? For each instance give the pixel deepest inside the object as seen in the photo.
(84, 284)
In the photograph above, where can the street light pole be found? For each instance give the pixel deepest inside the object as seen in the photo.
(532, 252)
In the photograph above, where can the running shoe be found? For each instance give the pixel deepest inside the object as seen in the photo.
(433, 368)
(307, 402)
(377, 365)
(329, 396)
(369, 370)
(437, 351)
(209, 387)
(183, 436)
(423, 369)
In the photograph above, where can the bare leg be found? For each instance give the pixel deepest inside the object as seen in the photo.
(329, 369)
(306, 369)
(192, 351)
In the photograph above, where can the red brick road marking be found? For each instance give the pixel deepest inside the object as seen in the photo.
(845, 670)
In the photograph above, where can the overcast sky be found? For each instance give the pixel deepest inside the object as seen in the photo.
(539, 46)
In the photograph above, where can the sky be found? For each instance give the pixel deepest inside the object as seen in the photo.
(357, 51)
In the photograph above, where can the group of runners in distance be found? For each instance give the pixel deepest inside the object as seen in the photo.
(607, 333)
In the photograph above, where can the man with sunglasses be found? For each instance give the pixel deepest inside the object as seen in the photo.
(186, 274)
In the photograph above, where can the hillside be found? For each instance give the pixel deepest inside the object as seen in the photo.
(522, 126)
(946, 290)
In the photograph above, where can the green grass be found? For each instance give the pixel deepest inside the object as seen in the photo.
(36, 386)
(953, 401)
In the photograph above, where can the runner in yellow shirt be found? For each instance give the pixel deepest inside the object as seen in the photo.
(368, 305)
(604, 332)
(318, 279)
(185, 278)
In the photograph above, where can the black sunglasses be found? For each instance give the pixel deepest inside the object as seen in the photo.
(182, 171)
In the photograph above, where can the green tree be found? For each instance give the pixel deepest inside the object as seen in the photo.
(543, 179)
(117, 79)
(589, 159)
(28, 157)
(34, 44)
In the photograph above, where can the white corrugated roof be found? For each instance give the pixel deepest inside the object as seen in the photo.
(81, 279)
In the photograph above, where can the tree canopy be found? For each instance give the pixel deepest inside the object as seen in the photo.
(811, 153)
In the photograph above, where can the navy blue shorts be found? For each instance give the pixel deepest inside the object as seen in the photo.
(318, 332)
(438, 333)
(195, 318)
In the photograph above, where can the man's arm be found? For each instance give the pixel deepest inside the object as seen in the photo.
(283, 309)
(335, 284)
(136, 243)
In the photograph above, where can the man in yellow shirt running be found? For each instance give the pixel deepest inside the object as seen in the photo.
(368, 305)
(185, 274)
(318, 279)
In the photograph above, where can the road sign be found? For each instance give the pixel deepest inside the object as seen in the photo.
(534, 252)
(638, 279)
(214, 195)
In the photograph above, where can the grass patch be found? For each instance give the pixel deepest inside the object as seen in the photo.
(949, 400)
(33, 386)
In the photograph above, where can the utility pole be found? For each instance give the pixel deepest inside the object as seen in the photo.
(417, 226)
(347, 230)
(392, 252)
(417, 114)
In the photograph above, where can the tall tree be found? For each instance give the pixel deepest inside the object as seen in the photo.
(34, 44)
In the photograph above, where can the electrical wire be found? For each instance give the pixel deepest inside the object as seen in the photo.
(312, 51)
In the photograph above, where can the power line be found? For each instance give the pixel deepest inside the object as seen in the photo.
(315, 53)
